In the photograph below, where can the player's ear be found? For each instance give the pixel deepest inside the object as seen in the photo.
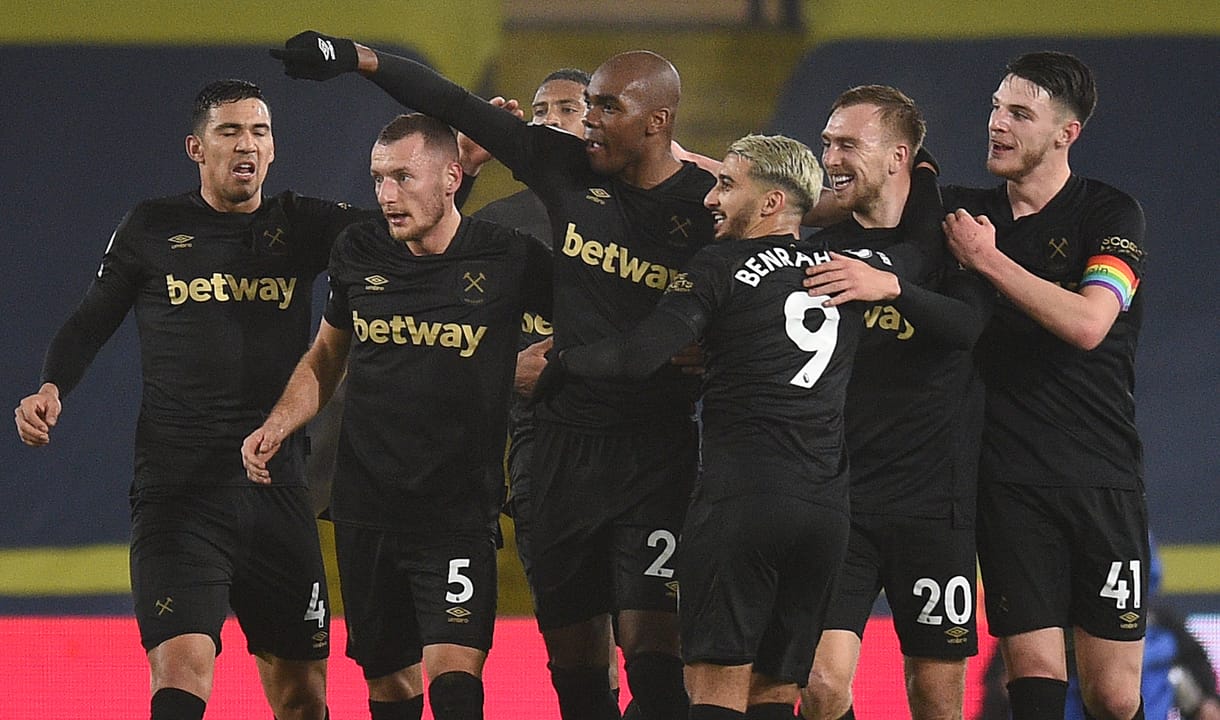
(194, 148)
(900, 157)
(1068, 133)
(659, 120)
(453, 177)
(773, 202)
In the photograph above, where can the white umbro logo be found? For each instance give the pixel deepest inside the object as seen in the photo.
(375, 282)
(327, 48)
(598, 195)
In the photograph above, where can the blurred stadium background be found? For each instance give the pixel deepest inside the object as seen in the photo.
(96, 97)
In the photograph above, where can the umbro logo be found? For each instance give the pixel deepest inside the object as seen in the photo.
(672, 587)
(957, 635)
(598, 195)
(375, 282)
(180, 241)
(327, 48)
(458, 614)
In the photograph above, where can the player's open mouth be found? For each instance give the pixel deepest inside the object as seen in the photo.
(244, 170)
(396, 218)
(839, 182)
(593, 146)
(717, 219)
(999, 148)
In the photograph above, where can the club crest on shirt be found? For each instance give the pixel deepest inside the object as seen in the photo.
(473, 282)
(1057, 253)
(275, 241)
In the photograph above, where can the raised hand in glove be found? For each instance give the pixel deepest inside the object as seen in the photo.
(313, 56)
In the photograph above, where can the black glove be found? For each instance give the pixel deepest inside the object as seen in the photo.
(313, 56)
(923, 156)
(551, 378)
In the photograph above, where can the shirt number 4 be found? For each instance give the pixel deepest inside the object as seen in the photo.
(1116, 587)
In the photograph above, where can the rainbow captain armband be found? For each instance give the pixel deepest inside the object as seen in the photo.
(1112, 273)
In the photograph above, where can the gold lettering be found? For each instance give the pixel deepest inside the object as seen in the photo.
(200, 290)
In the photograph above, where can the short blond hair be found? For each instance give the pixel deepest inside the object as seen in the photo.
(782, 162)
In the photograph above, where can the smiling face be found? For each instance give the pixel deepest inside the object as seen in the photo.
(1025, 127)
(735, 199)
(414, 185)
(233, 148)
(858, 154)
(560, 104)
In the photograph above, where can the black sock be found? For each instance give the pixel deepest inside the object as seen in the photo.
(850, 714)
(713, 712)
(584, 693)
(1037, 698)
(456, 696)
(412, 709)
(656, 685)
(770, 711)
(175, 704)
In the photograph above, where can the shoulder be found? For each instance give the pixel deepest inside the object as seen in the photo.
(294, 203)
(1098, 194)
(975, 200)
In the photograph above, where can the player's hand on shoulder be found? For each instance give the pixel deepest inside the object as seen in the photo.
(845, 279)
(310, 55)
(530, 364)
(969, 237)
(259, 447)
(36, 414)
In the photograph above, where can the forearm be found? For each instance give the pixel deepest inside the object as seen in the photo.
(84, 333)
(419, 87)
(1081, 319)
(311, 385)
(634, 355)
(951, 321)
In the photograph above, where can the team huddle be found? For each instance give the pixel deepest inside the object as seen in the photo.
(727, 436)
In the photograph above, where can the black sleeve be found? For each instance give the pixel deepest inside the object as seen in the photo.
(106, 302)
(923, 250)
(956, 315)
(539, 269)
(635, 354)
(680, 317)
(419, 87)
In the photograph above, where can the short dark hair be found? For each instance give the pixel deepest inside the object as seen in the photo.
(1064, 77)
(217, 93)
(436, 134)
(575, 75)
(899, 113)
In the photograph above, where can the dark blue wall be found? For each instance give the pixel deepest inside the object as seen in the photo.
(1154, 134)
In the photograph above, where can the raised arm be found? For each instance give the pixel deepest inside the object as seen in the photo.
(309, 388)
(313, 56)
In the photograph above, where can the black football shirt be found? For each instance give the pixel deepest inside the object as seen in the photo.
(434, 345)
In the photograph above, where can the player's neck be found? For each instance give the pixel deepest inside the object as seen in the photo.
(886, 212)
(217, 202)
(652, 169)
(437, 240)
(1031, 192)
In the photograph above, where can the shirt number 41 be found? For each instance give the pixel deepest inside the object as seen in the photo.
(1118, 589)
